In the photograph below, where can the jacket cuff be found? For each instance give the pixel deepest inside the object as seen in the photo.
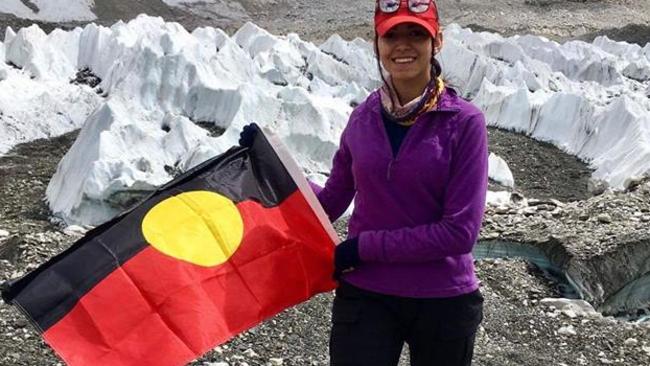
(369, 251)
(315, 187)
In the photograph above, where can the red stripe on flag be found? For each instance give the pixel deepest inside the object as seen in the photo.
(156, 310)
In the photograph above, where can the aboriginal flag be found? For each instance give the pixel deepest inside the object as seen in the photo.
(214, 252)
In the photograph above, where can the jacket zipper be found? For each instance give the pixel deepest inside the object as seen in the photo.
(385, 133)
(394, 157)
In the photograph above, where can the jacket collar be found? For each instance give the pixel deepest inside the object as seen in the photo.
(448, 101)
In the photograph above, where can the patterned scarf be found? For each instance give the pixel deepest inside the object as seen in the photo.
(406, 115)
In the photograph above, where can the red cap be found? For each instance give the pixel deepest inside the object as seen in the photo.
(429, 19)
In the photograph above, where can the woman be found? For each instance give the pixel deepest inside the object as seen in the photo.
(414, 158)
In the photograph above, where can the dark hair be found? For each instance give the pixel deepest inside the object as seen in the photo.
(436, 69)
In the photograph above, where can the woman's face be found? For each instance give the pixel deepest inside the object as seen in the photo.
(405, 52)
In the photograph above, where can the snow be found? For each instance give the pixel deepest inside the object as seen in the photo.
(44, 109)
(160, 80)
(37, 100)
(15, 7)
(588, 99)
(225, 8)
(141, 124)
(499, 171)
(44, 56)
(499, 198)
(51, 11)
(82, 10)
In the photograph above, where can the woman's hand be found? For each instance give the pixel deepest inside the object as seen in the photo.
(346, 257)
(247, 135)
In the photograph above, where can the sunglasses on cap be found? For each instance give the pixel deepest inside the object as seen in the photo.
(415, 6)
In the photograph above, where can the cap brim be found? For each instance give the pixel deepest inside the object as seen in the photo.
(400, 19)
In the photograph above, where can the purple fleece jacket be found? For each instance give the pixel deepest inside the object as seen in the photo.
(417, 215)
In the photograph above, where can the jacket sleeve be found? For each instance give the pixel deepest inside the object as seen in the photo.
(338, 192)
(464, 203)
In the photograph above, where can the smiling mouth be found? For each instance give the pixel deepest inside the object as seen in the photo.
(403, 60)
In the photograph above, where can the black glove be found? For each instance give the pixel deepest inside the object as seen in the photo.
(346, 256)
(247, 135)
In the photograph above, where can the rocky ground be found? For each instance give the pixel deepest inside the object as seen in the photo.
(601, 243)
(540, 169)
(560, 20)
(520, 326)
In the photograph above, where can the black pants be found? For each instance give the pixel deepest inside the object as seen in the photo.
(371, 329)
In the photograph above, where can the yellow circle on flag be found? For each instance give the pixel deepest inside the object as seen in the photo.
(200, 227)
